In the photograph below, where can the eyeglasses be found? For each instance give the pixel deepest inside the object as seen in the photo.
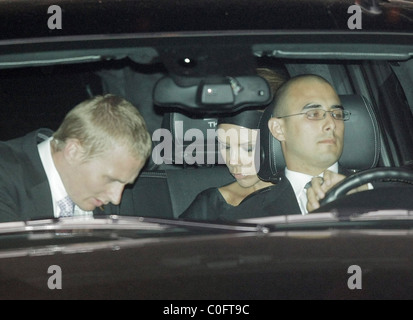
(320, 114)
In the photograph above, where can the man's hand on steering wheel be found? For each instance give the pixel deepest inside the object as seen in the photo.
(319, 188)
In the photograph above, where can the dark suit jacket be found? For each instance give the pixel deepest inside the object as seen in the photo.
(276, 200)
(24, 189)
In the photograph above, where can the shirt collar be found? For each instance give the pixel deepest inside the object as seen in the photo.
(57, 188)
(298, 180)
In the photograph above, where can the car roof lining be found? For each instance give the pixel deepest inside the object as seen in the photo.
(147, 49)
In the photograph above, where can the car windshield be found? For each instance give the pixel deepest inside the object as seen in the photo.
(184, 86)
(145, 67)
(242, 120)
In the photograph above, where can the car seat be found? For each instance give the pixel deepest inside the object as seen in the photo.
(194, 177)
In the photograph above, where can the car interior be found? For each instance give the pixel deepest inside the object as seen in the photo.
(168, 91)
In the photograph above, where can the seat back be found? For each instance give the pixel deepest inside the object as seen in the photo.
(184, 185)
(361, 140)
(195, 152)
(147, 197)
(167, 191)
(186, 141)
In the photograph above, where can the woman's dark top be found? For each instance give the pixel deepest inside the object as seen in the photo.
(208, 205)
(278, 199)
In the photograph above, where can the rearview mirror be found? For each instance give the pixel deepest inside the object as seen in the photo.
(213, 94)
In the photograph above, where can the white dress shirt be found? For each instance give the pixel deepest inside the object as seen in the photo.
(57, 188)
(298, 181)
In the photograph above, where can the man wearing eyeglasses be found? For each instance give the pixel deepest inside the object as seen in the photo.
(308, 120)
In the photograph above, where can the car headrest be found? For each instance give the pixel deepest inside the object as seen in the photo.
(361, 140)
(191, 140)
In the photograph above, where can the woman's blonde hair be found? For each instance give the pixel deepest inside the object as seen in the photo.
(102, 122)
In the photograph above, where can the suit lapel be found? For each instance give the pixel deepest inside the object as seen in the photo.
(38, 187)
(42, 201)
(286, 197)
(344, 171)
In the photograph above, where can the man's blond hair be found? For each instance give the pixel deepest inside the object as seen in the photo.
(102, 122)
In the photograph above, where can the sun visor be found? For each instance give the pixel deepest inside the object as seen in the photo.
(213, 94)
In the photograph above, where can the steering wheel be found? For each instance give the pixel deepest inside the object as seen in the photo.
(358, 179)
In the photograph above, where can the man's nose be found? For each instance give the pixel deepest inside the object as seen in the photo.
(329, 121)
(115, 193)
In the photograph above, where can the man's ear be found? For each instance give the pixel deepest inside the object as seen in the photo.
(276, 129)
(73, 151)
